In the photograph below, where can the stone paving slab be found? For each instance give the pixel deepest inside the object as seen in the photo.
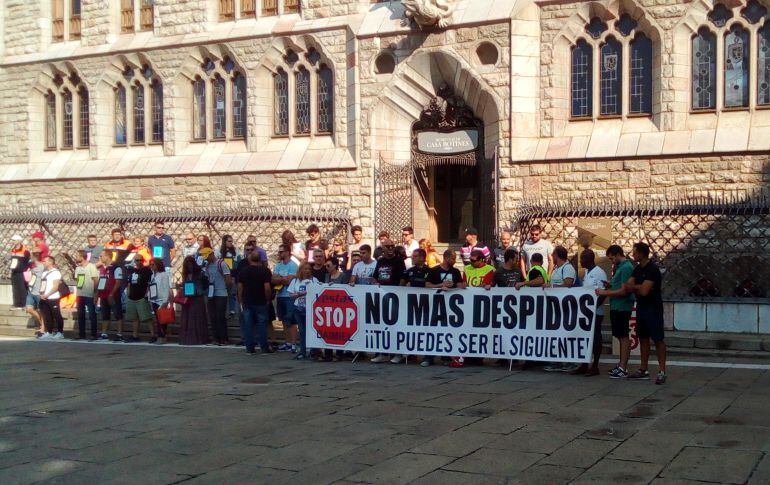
(74, 413)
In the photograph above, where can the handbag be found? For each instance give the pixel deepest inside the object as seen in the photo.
(166, 315)
(180, 299)
(63, 289)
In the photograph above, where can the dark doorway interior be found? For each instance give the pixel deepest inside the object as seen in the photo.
(455, 201)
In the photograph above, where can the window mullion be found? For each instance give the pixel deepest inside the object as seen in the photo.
(720, 74)
(753, 65)
(596, 80)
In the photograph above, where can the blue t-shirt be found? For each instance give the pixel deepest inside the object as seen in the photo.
(160, 247)
(285, 269)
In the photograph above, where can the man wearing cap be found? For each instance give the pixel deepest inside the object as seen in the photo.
(220, 282)
(19, 264)
(38, 241)
(138, 308)
(472, 244)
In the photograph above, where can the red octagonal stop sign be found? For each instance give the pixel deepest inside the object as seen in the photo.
(335, 316)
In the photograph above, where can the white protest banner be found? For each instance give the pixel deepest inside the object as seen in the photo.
(546, 324)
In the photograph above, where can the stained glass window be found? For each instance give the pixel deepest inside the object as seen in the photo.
(138, 93)
(219, 109)
(582, 79)
(239, 106)
(85, 127)
(753, 12)
(736, 67)
(199, 109)
(704, 70)
(50, 120)
(325, 100)
(640, 76)
(625, 25)
(596, 27)
(67, 109)
(611, 58)
(763, 65)
(157, 112)
(720, 15)
(303, 101)
(281, 102)
(120, 115)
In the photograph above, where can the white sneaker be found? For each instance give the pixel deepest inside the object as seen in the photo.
(45, 336)
(425, 363)
(379, 359)
(397, 359)
(58, 336)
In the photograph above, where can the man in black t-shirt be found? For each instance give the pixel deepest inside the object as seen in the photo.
(509, 273)
(417, 275)
(445, 275)
(389, 267)
(319, 264)
(645, 283)
(254, 293)
(138, 308)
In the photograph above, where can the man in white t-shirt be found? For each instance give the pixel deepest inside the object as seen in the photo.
(594, 278)
(535, 244)
(409, 244)
(563, 276)
(49, 300)
(363, 271)
(355, 246)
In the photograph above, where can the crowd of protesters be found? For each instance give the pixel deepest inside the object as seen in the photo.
(131, 281)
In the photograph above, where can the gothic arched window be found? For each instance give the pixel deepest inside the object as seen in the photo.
(50, 120)
(239, 106)
(704, 70)
(302, 101)
(85, 118)
(640, 76)
(67, 114)
(281, 81)
(199, 109)
(763, 65)
(120, 115)
(582, 79)
(157, 111)
(325, 100)
(611, 59)
(736, 67)
(137, 92)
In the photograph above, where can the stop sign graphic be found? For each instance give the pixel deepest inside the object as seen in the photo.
(335, 316)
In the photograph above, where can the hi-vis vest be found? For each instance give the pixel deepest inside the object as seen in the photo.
(542, 272)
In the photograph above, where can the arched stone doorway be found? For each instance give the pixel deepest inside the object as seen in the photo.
(434, 136)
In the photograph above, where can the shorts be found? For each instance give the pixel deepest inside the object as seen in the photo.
(33, 301)
(138, 310)
(285, 310)
(649, 323)
(116, 310)
(619, 320)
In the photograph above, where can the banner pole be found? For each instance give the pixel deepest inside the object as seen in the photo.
(510, 365)
(354, 358)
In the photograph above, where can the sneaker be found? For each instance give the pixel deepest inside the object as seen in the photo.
(457, 362)
(397, 359)
(104, 336)
(251, 351)
(299, 357)
(294, 349)
(39, 334)
(618, 373)
(379, 359)
(118, 338)
(569, 367)
(661, 378)
(285, 348)
(232, 313)
(58, 336)
(641, 375)
(153, 340)
(553, 367)
(425, 363)
(45, 336)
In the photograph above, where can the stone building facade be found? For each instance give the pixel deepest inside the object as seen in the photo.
(512, 63)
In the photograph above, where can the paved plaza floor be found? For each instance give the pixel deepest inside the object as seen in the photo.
(103, 413)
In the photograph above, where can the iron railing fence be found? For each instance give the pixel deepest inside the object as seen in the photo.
(66, 230)
(709, 247)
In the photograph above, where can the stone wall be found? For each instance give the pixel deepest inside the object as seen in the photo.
(23, 26)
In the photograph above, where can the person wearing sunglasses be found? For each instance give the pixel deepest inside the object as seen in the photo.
(162, 245)
(388, 272)
(284, 272)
